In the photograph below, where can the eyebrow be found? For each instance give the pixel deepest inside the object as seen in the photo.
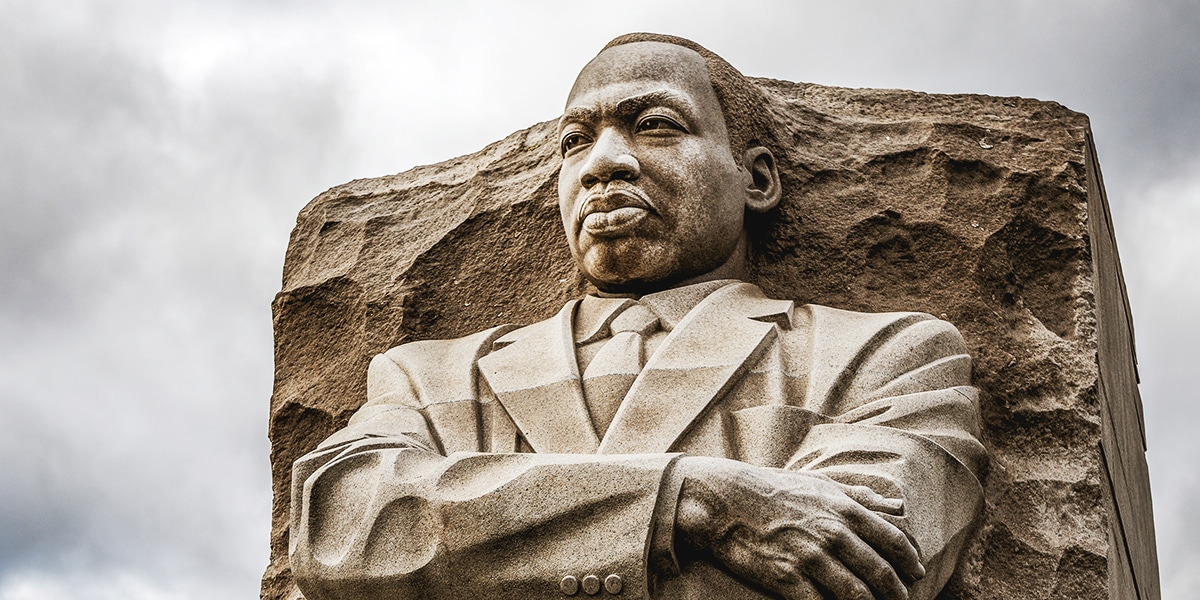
(628, 107)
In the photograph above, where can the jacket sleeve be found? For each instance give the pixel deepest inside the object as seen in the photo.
(897, 414)
(387, 508)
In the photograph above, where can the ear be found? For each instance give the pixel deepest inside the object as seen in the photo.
(764, 190)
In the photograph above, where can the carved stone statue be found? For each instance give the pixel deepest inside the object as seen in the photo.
(676, 433)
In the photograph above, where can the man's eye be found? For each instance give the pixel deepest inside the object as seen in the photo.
(572, 141)
(657, 123)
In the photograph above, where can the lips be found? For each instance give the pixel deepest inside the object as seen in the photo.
(614, 212)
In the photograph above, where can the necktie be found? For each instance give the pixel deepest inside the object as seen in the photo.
(611, 373)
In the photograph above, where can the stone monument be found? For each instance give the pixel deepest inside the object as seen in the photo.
(684, 416)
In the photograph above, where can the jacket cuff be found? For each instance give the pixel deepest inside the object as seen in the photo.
(662, 561)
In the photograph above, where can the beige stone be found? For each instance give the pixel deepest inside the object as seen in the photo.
(986, 212)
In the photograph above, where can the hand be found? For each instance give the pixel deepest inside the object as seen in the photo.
(786, 531)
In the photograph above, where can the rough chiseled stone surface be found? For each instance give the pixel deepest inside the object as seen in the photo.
(971, 208)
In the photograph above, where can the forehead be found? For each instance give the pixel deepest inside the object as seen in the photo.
(641, 67)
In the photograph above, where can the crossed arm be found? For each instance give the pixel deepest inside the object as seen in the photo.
(376, 517)
(867, 505)
(379, 514)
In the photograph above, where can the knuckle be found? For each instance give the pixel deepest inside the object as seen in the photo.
(885, 576)
(834, 541)
(785, 574)
(812, 559)
(885, 572)
(858, 591)
(900, 542)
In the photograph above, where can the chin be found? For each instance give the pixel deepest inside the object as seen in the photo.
(628, 267)
(625, 282)
(610, 281)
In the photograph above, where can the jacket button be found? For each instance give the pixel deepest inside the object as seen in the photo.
(569, 585)
(591, 585)
(613, 584)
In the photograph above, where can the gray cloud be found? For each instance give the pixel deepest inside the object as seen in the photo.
(1161, 256)
(144, 224)
(153, 158)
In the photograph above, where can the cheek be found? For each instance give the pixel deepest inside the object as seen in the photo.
(567, 192)
(675, 166)
(565, 175)
(693, 171)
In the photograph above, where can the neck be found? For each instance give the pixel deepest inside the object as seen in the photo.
(734, 267)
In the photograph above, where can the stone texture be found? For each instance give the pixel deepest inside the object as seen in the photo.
(988, 212)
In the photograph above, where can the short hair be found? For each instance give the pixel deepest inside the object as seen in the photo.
(742, 102)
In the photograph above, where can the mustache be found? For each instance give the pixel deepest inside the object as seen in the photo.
(617, 194)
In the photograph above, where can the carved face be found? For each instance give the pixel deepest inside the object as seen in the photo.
(650, 194)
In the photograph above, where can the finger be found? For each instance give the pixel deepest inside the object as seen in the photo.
(870, 567)
(829, 573)
(872, 500)
(802, 589)
(888, 540)
(776, 570)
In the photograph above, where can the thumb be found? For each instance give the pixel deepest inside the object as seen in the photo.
(871, 500)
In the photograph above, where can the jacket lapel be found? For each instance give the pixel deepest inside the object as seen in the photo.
(701, 359)
(535, 377)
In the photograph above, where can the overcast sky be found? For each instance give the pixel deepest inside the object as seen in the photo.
(153, 157)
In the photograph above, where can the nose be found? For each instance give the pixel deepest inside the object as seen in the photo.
(609, 158)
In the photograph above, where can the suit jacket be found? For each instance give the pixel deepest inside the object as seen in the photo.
(474, 470)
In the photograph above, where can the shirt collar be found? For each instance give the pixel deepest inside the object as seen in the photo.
(596, 312)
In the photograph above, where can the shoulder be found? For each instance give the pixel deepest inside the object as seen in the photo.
(871, 329)
(423, 353)
(859, 355)
(423, 372)
(436, 371)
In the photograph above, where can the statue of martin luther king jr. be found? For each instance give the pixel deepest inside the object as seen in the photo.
(675, 434)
